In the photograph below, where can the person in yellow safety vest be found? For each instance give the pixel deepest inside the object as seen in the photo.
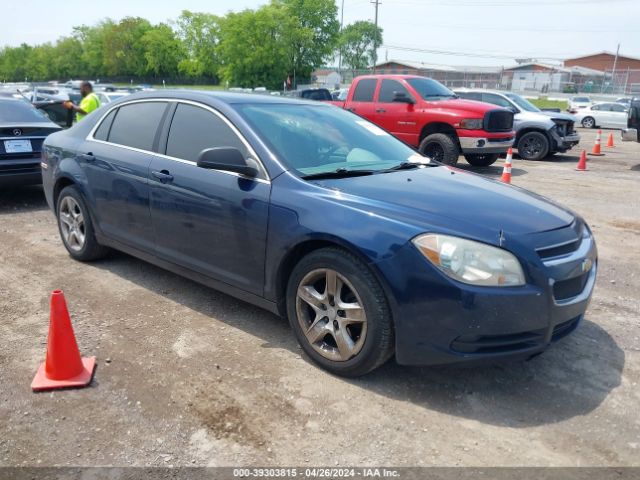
(88, 104)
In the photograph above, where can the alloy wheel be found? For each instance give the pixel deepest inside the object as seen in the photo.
(434, 151)
(331, 314)
(531, 147)
(72, 224)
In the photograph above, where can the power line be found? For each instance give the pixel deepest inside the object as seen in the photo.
(503, 3)
(375, 42)
(509, 56)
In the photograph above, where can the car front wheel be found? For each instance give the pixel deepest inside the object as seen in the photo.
(339, 313)
(533, 146)
(440, 147)
(76, 229)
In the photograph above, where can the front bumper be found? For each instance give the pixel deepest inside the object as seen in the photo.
(565, 143)
(440, 321)
(479, 145)
(630, 135)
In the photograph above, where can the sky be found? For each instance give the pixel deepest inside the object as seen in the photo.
(487, 32)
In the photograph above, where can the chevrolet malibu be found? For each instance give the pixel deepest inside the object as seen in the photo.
(313, 213)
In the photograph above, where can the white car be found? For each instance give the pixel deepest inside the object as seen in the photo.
(108, 97)
(607, 115)
(578, 103)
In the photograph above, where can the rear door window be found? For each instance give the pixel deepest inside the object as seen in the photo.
(365, 90)
(136, 125)
(194, 129)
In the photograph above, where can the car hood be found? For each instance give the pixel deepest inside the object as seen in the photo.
(535, 117)
(459, 104)
(452, 199)
(558, 116)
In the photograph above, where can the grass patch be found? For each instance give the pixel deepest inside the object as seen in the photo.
(545, 103)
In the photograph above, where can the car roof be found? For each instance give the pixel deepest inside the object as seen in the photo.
(229, 98)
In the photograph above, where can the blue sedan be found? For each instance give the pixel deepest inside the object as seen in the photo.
(368, 248)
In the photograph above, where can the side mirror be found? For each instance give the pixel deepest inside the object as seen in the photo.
(401, 97)
(228, 159)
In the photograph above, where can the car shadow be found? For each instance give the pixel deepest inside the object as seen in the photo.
(25, 199)
(572, 378)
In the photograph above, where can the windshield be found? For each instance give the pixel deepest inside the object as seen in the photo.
(522, 102)
(16, 111)
(430, 89)
(319, 139)
(581, 99)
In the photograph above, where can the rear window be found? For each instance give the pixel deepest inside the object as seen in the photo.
(136, 125)
(103, 130)
(18, 111)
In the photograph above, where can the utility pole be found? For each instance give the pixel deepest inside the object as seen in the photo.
(375, 44)
(613, 74)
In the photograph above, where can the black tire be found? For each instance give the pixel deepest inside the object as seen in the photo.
(481, 159)
(440, 147)
(89, 249)
(533, 146)
(588, 122)
(378, 343)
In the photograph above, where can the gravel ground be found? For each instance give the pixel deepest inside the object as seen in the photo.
(189, 376)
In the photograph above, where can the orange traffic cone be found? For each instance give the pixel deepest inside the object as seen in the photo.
(63, 366)
(582, 164)
(506, 171)
(610, 141)
(596, 147)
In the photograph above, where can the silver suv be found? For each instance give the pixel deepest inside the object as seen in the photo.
(538, 133)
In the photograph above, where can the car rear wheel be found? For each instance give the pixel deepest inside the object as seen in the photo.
(533, 146)
(481, 160)
(339, 313)
(76, 229)
(440, 147)
(589, 122)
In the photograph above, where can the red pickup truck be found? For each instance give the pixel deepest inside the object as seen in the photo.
(425, 114)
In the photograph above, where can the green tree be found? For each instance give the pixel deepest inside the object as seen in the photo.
(200, 36)
(162, 50)
(312, 33)
(68, 60)
(92, 41)
(123, 49)
(358, 43)
(253, 48)
(13, 67)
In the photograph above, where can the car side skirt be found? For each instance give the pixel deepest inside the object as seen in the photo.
(191, 275)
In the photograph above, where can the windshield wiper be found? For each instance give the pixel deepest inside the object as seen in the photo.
(408, 166)
(338, 173)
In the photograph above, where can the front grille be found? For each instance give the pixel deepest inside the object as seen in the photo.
(557, 250)
(564, 289)
(498, 121)
(570, 128)
(497, 343)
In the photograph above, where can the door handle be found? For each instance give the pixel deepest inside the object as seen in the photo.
(380, 110)
(163, 175)
(87, 157)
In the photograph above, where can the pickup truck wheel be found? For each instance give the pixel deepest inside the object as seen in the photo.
(481, 159)
(339, 313)
(589, 122)
(533, 146)
(440, 147)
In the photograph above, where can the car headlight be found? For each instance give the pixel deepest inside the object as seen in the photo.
(471, 262)
(472, 123)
